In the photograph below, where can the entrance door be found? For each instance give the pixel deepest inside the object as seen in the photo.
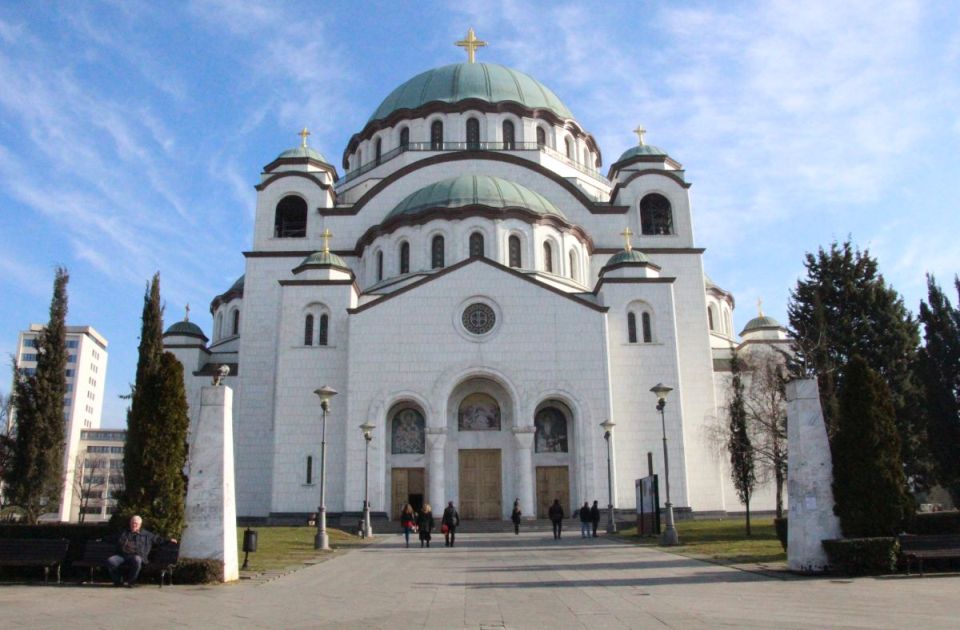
(407, 488)
(553, 482)
(480, 484)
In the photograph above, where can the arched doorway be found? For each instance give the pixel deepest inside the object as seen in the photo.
(407, 448)
(553, 442)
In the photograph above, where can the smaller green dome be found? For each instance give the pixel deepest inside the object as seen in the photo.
(324, 258)
(187, 329)
(632, 256)
(763, 321)
(643, 149)
(303, 152)
(474, 190)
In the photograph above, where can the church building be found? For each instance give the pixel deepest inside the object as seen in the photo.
(472, 285)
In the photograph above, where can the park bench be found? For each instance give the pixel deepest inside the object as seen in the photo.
(162, 559)
(920, 548)
(34, 552)
(95, 554)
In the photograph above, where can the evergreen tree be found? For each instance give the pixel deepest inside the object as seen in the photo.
(845, 308)
(869, 486)
(157, 423)
(35, 475)
(741, 450)
(939, 370)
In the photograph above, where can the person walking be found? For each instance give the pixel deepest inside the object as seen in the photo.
(585, 520)
(407, 521)
(556, 518)
(595, 517)
(449, 524)
(425, 524)
(515, 516)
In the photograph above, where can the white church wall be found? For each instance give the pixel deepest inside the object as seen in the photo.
(267, 200)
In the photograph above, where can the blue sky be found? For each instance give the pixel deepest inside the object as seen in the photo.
(132, 133)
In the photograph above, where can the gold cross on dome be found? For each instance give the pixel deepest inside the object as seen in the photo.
(626, 234)
(303, 137)
(325, 235)
(759, 307)
(640, 131)
(186, 317)
(470, 44)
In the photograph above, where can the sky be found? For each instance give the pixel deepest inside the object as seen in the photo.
(132, 133)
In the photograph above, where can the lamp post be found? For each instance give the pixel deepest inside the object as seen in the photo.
(367, 429)
(669, 536)
(321, 540)
(607, 435)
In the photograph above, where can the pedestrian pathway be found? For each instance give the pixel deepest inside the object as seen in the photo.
(501, 581)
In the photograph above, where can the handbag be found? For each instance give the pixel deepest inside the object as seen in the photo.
(444, 529)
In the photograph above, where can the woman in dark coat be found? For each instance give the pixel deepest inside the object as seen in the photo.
(425, 523)
(515, 516)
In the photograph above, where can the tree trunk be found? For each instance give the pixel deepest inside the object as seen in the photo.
(748, 517)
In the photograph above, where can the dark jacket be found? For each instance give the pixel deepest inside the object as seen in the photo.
(515, 516)
(595, 513)
(450, 517)
(140, 543)
(408, 520)
(555, 512)
(585, 514)
(425, 522)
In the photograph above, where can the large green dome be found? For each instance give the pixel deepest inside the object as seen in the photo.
(474, 190)
(460, 81)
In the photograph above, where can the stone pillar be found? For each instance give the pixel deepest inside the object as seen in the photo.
(523, 460)
(211, 510)
(436, 442)
(809, 479)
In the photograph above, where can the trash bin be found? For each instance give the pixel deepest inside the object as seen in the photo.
(249, 540)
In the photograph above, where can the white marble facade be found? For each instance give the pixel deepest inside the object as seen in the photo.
(401, 316)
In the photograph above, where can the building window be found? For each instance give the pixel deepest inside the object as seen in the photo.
(568, 145)
(405, 137)
(656, 216)
(70, 344)
(631, 328)
(586, 158)
(379, 266)
(573, 265)
(710, 317)
(436, 252)
(509, 136)
(473, 134)
(290, 220)
(547, 257)
(436, 136)
(218, 333)
(309, 469)
(236, 322)
(322, 333)
(476, 245)
(541, 137)
(377, 151)
(404, 257)
(647, 333)
(308, 330)
(359, 158)
(513, 247)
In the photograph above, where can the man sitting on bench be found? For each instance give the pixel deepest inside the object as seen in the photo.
(133, 550)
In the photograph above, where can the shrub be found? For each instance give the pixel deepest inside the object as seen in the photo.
(862, 556)
(780, 524)
(935, 523)
(198, 571)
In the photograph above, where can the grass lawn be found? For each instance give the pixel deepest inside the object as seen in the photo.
(723, 540)
(282, 547)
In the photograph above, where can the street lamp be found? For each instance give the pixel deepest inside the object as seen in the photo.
(607, 435)
(321, 540)
(669, 536)
(367, 429)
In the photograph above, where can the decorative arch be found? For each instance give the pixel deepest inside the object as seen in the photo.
(711, 317)
(436, 135)
(404, 142)
(290, 218)
(437, 251)
(574, 264)
(656, 215)
(640, 322)
(218, 332)
(407, 425)
(477, 244)
(473, 134)
(509, 135)
(514, 251)
(404, 257)
(551, 263)
(377, 150)
(568, 148)
(235, 322)
(541, 136)
(552, 423)
(316, 324)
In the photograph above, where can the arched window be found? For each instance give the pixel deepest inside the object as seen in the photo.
(236, 322)
(509, 136)
(322, 333)
(436, 252)
(573, 265)
(727, 328)
(710, 317)
(541, 137)
(568, 145)
(513, 248)
(479, 412)
(377, 151)
(405, 137)
(550, 435)
(586, 157)
(547, 257)
(473, 134)
(359, 158)
(379, 266)
(290, 220)
(405, 257)
(308, 330)
(407, 431)
(436, 136)
(647, 333)
(656, 216)
(476, 244)
(631, 327)
(218, 333)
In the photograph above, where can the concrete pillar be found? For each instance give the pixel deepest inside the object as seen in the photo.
(211, 514)
(436, 441)
(523, 456)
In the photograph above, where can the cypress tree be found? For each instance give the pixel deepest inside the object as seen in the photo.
(939, 370)
(869, 486)
(741, 450)
(35, 475)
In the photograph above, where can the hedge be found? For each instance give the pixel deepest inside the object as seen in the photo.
(197, 571)
(926, 523)
(863, 556)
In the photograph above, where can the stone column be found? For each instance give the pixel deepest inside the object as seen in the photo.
(523, 460)
(436, 441)
(211, 508)
(809, 479)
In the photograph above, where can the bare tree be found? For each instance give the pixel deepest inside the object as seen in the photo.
(6, 443)
(89, 481)
(766, 406)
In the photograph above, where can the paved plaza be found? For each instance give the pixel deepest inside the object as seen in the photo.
(501, 581)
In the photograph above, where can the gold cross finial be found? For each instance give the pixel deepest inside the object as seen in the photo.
(759, 307)
(470, 44)
(640, 131)
(186, 317)
(303, 137)
(326, 240)
(626, 234)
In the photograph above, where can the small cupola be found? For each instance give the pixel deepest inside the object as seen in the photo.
(763, 327)
(324, 264)
(629, 263)
(185, 332)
